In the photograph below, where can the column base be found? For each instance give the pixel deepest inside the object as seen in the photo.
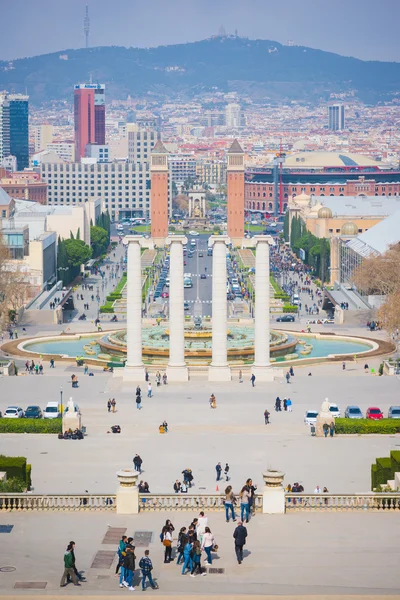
(133, 374)
(263, 373)
(219, 373)
(159, 242)
(177, 373)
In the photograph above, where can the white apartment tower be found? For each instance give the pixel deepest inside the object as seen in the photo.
(233, 115)
(4, 127)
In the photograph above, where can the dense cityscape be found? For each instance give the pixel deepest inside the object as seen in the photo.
(199, 277)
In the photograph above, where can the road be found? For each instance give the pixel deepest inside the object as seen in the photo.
(199, 296)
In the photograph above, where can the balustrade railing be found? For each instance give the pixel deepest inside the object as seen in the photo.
(342, 502)
(60, 502)
(210, 502)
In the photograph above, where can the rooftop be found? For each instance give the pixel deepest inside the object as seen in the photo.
(358, 206)
(378, 239)
(306, 160)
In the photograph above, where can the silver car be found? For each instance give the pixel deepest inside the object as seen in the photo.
(394, 412)
(353, 412)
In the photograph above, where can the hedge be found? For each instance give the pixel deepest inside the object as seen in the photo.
(30, 426)
(365, 426)
(106, 308)
(14, 466)
(29, 476)
(384, 469)
(290, 308)
(113, 296)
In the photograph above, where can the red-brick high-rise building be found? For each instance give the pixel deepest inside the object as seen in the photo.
(89, 116)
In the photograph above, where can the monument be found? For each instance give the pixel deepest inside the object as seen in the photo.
(72, 418)
(324, 417)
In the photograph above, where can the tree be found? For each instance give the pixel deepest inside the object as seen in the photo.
(77, 252)
(62, 263)
(98, 240)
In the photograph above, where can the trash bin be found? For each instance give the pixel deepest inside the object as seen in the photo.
(312, 430)
(83, 429)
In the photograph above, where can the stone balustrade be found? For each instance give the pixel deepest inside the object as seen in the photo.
(209, 502)
(59, 502)
(342, 502)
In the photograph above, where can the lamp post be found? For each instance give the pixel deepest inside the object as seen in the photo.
(61, 401)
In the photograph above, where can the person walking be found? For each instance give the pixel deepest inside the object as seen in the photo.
(149, 390)
(240, 376)
(218, 469)
(332, 429)
(244, 503)
(68, 568)
(138, 402)
(78, 575)
(287, 377)
(138, 391)
(240, 535)
(167, 542)
(278, 404)
(113, 404)
(266, 416)
(226, 472)
(285, 404)
(146, 567)
(289, 405)
(126, 578)
(121, 553)
(207, 545)
(196, 560)
(109, 405)
(253, 380)
(52, 363)
(182, 541)
(252, 489)
(201, 525)
(187, 555)
(230, 500)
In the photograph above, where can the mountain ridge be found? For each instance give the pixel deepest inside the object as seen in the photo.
(260, 68)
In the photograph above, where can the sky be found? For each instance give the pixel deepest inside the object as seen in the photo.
(366, 29)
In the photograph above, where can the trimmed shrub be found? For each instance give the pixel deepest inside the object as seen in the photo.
(113, 296)
(14, 466)
(365, 426)
(28, 426)
(14, 485)
(290, 308)
(29, 476)
(395, 456)
(106, 308)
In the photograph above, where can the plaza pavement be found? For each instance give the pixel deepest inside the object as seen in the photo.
(303, 554)
(199, 437)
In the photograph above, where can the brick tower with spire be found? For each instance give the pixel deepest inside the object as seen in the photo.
(159, 193)
(235, 177)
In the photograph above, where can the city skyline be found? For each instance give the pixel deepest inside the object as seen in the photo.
(130, 23)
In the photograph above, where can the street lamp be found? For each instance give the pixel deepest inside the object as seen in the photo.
(61, 401)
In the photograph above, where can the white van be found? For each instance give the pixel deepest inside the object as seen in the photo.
(296, 299)
(51, 411)
(167, 282)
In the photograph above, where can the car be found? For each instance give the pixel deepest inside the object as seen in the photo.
(165, 295)
(33, 412)
(203, 276)
(394, 412)
(14, 412)
(201, 255)
(157, 294)
(374, 413)
(186, 305)
(193, 233)
(52, 411)
(353, 412)
(285, 319)
(334, 409)
(310, 417)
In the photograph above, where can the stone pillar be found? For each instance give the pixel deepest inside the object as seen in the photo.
(219, 369)
(273, 493)
(262, 367)
(177, 369)
(134, 368)
(127, 493)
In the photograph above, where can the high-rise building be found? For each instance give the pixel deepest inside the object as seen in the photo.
(233, 115)
(336, 117)
(19, 129)
(43, 135)
(89, 116)
(140, 143)
(4, 127)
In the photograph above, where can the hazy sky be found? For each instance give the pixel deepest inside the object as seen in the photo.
(363, 28)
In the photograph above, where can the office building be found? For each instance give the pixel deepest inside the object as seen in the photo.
(4, 127)
(336, 117)
(64, 150)
(100, 153)
(211, 172)
(140, 143)
(43, 135)
(182, 167)
(19, 129)
(233, 115)
(123, 188)
(89, 116)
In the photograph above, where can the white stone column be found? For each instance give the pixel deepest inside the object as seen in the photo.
(219, 369)
(134, 368)
(177, 369)
(262, 366)
(273, 493)
(127, 497)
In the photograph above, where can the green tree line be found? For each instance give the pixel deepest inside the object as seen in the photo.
(317, 250)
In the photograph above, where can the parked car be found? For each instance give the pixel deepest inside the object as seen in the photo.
(201, 255)
(310, 417)
(285, 319)
(374, 413)
(193, 233)
(165, 295)
(334, 409)
(203, 276)
(33, 412)
(353, 412)
(186, 305)
(14, 412)
(394, 412)
(51, 411)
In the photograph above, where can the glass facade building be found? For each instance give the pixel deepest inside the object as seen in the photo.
(19, 129)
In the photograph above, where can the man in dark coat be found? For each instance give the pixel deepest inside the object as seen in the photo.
(240, 535)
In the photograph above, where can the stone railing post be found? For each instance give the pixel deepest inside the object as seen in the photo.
(127, 499)
(273, 493)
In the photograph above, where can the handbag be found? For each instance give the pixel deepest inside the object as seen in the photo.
(167, 543)
(214, 548)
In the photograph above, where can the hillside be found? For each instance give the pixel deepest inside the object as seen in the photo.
(259, 68)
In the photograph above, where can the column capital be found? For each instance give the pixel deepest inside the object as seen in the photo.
(214, 239)
(182, 239)
(144, 242)
(257, 239)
